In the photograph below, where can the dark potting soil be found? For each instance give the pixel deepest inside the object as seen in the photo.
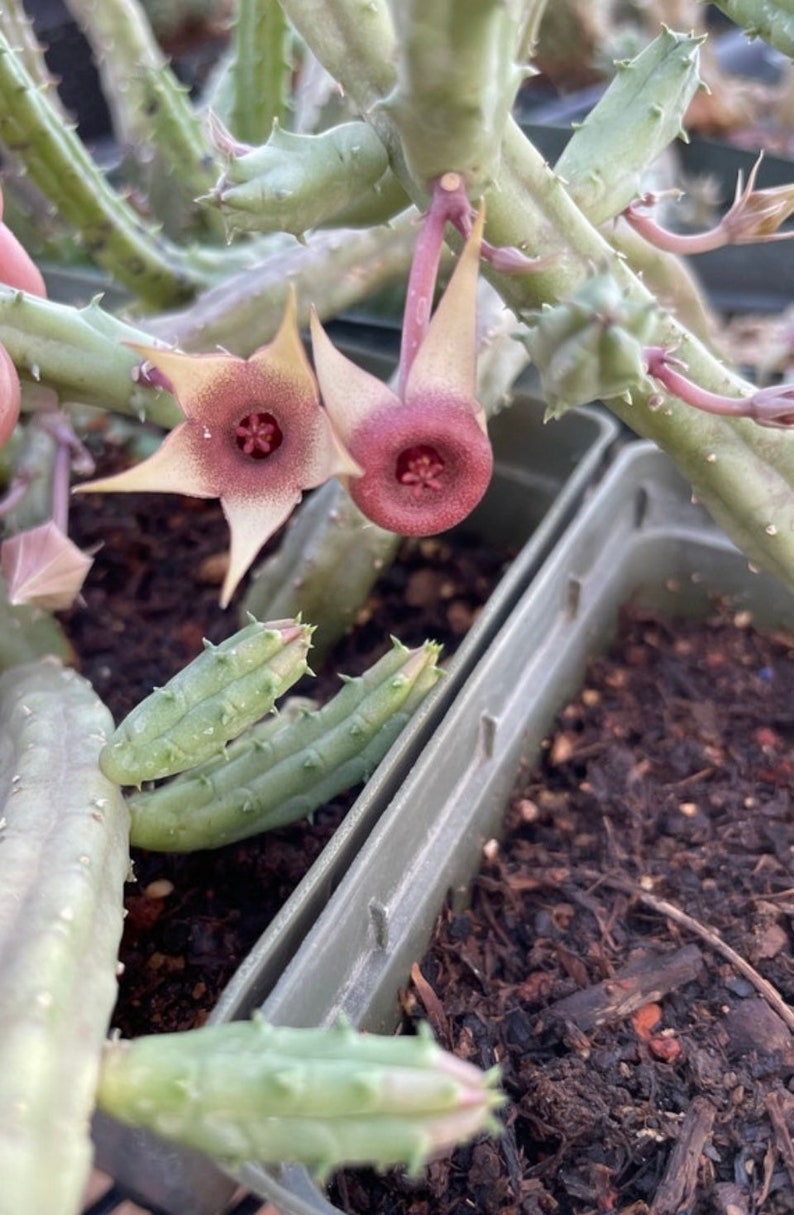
(150, 598)
(627, 954)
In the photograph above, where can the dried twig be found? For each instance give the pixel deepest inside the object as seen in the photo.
(677, 1187)
(782, 1136)
(616, 998)
(712, 938)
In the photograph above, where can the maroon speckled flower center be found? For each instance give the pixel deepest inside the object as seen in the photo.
(258, 435)
(420, 468)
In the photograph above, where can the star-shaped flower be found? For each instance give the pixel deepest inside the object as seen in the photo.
(425, 453)
(254, 435)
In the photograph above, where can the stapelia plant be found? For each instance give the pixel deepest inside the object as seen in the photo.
(375, 132)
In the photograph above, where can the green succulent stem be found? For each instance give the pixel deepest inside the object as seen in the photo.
(276, 776)
(295, 182)
(210, 701)
(153, 118)
(259, 70)
(354, 40)
(456, 84)
(333, 270)
(80, 352)
(743, 474)
(772, 20)
(324, 1097)
(16, 26)
(64, 858)
(640, 113)
(59, 164)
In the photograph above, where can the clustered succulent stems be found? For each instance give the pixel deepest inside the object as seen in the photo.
(414, 149)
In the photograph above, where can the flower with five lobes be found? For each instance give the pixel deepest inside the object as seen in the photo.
(254, 435)
(425, 453)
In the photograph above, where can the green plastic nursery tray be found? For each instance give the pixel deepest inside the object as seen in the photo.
(541, 475)
(639, 538)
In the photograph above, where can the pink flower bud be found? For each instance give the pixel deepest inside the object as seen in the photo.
(43, 567)
(17, 268)
(10, 396)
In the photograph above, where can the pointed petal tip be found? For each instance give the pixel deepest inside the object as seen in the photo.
(43, 568)
(350, 394)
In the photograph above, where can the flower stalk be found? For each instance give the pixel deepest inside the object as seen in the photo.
(772, 406)
(754, 217)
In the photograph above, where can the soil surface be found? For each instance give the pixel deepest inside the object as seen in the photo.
(627, 955)
(150, 598)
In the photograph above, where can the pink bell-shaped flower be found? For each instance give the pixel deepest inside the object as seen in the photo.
(18, 270)
(425, 453)
(254, 436)
(10, 396)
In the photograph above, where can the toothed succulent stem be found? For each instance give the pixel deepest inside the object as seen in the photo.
(61, 167)
(259, 70)
(333, 269)
(63, 863)
(295, 182)
(355, 42)
(286, 774)
(212, 700)
(324, 1097)
(772, 20)
(635, 120)
(153, 118)
(18, 29)
(457, 80)
(80, 353)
